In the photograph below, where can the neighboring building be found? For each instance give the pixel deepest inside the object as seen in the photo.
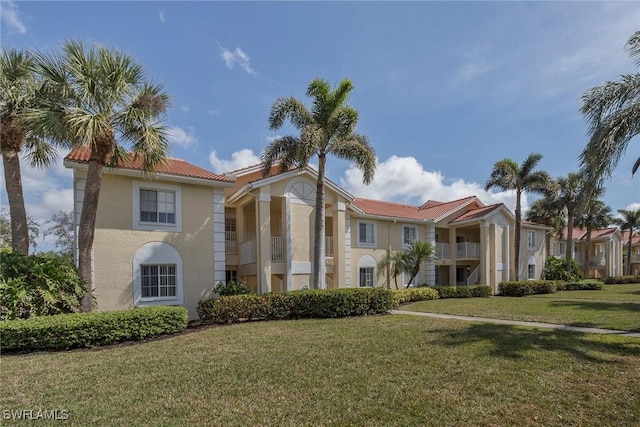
(167, 237)
(605, 251)
(635, 252)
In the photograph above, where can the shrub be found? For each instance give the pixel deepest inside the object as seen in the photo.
(474, 291)
(296, 304)
(38, 286)
(622, 280)
(556, 269)
(422, 293)
(529, 287)
(64, 331)
(232, 288)
(582, 285)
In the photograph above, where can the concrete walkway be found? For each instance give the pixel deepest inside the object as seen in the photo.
(520, 323)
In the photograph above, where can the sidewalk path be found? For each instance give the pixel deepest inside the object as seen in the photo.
(521, 323)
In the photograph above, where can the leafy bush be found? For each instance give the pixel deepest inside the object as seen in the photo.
(296, 304)
(38, 286)
(529, 287)
(556, 269)
(582, 285)
(475, 291)
(622, 280)
(421, 293)
(64, 331)
(232, 288)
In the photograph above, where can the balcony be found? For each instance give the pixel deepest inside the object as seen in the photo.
(230, 242)
(468, 250)
(442, 250)
(597, 261)
(277, 249)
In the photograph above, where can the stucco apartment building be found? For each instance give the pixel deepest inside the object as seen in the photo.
(605, 251)
(635, 252)
(168, 237)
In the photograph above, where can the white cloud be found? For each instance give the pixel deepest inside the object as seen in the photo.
(237, 56)
(403, 179)
(182, 137)
(239, 159)
(633, 206)
(162, 16)
(9, 15)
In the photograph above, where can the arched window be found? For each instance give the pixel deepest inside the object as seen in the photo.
(157, 275)
(531, 268)
(367, 271)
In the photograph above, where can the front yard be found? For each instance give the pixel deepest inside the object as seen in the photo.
(375, 370)
(613, 307)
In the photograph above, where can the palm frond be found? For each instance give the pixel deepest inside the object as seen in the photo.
(529, 164)
(357, 149)
(633, 46)
(39, 153)
(283, 150)
(504, 175)
(291, 108)
(149, 143)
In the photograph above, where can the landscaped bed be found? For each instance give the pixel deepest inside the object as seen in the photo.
(373, 370)
(613, 307)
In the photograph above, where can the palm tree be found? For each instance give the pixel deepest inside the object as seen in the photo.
(414, 256)
(394, 263)
(18, 93)
(508, 175)
(329, 128)
(630, 221)
(593, 216)
(549, 212)
(611, 110)
(570, 192)
(102, 94)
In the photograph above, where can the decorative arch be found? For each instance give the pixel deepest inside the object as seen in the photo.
(301, 191)
(165, 261)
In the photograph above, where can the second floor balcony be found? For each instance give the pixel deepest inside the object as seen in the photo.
(468, 250)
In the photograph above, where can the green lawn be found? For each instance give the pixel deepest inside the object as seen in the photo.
(370, 371)
(614, 307)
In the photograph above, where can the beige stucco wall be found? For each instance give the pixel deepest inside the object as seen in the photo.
(537, 252)
(116, 243)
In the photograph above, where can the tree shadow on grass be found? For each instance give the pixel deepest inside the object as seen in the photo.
(631, 307)
(514, 342)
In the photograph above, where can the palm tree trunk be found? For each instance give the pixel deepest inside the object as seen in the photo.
(87, 225)
(629, 252)
(587, 255)
(13, 183)
(516, 252)
(318, 244)
(569, 249)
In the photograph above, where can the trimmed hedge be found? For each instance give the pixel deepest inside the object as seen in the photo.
(529, 287)
(65, 331)
(474, 291)
(295, 305)
(582, 285)
(422, 293)
(622, 280)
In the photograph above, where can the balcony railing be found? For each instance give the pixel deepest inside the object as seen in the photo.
(230, 242)
(277, 249)
(248, 252)
(468, 250)
(442, 250)
(597, 261)
(328, 246)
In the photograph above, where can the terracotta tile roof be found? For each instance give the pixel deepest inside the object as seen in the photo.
(390, 209)
(428, 211)
(575, 235)
(536, 224)
(635, 239)
(477, 213)
(605, 232)
(170, 167)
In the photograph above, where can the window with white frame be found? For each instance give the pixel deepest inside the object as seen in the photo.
(230, 276)
(158, 280)
(157, 275)
(366, 277)
(156, 207)
(366, 234)
(531, 271)
(563, 248)
(409, 235)
(531, 239)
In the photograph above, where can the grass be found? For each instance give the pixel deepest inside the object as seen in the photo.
(376, 370)
(614, 307)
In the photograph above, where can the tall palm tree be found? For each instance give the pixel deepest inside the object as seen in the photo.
(630, 221)
(611, 110)
(593, 216)
(549, 212)
(103, 99)
(508, 175)
(329, 128)
(18, 93)
(570, 192)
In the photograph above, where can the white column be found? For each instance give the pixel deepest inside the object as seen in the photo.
(219, 263)
(347, 250)
(429, 276)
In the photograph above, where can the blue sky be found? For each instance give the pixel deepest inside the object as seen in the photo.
(444, 89)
